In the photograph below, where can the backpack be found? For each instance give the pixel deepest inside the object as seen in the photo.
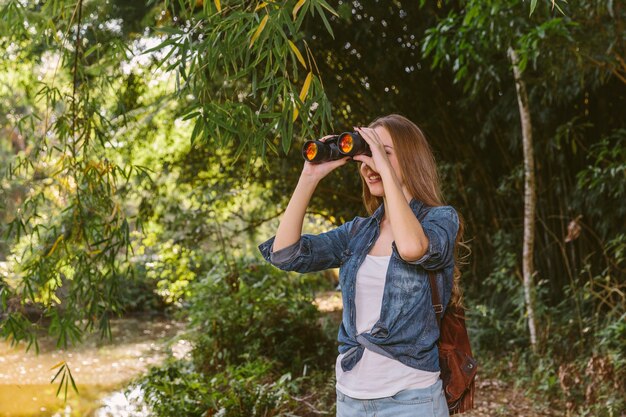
(458, 367)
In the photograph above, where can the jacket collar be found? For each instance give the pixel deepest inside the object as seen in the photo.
(415, 204)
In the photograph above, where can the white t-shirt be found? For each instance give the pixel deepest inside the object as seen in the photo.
(375, 375)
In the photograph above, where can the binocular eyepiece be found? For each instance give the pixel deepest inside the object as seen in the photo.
(335, 147)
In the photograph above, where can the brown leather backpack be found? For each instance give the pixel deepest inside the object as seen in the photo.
(458, 367)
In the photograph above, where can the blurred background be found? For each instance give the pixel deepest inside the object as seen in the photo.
(148, 147)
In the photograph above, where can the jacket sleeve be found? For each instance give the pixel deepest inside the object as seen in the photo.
(440, 225)
(311, 253)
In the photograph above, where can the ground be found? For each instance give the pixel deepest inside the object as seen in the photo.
(495, 398)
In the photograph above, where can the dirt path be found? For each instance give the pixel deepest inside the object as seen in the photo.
(495, 398)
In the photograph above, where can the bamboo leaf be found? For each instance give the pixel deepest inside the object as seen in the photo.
(325, 21)
(60, 385)
(295, 113)
(169, 30)
(533, 4)
(196, 129)
(327, 7)
(72, 381)
(559, 8)
(191, 115)
(305, 86)
(57, 365)
(218, 5)
(303, 94)
(258, 31)
(295, 50)
(260, 6)
(286, 142)
(297, 7)
(56, 242)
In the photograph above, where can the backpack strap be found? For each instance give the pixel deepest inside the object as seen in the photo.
(436, 300)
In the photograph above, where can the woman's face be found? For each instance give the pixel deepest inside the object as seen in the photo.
(371, 177)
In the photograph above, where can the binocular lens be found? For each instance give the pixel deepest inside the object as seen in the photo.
(346, 143)
(352, 143)
(310, 151)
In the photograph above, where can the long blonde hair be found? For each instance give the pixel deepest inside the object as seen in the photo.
(419, 172)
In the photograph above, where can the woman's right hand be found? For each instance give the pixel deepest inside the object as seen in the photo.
(318, 171)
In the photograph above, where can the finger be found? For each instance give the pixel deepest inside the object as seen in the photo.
(339, 162)
(368, 136)
(367, 160)
(364, 158)
(323, 139)
(373, 140)
(365, 131)
(363, 134)
(375, 133)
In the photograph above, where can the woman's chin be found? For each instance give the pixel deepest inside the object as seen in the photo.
(376, 190)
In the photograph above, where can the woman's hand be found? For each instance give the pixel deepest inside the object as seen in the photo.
(316, 172)
(379, 160)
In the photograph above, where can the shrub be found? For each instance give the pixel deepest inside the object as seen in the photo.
(262, 312)
(251, 389)
(251, 332)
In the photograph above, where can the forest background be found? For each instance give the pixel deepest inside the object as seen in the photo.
(147, 148)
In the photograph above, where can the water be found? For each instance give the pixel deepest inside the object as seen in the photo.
(101, 370)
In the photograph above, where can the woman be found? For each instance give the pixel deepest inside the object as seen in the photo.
(388, 362)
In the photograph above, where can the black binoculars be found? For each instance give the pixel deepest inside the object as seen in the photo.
(335, 147)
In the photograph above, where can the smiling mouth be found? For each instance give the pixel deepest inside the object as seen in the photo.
(373, 178)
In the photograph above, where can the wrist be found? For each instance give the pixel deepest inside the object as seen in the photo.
(389, 177)
(387, 173)
(308, 181)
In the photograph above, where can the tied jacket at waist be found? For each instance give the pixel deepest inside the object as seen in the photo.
(407, 329)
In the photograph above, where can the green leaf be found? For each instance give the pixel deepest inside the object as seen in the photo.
(60, 385)
(533, 4)
(72, 381)
(196, 130)
(327, 7)
(286, 143)
(323, 16)
(170, 30)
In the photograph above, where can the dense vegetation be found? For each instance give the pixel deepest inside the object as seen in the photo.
(147, 148)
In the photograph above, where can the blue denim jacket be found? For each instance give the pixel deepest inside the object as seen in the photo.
(407, 329)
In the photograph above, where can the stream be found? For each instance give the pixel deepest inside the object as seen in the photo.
(101, 370)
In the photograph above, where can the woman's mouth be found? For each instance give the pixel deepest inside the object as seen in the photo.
(372, 179)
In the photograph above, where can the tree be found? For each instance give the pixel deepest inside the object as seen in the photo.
(473, 40)
(237, 74)
(530, 200)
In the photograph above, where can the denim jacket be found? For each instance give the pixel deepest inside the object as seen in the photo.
(407, 329)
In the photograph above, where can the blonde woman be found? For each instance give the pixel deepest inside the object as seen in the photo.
(388, 360)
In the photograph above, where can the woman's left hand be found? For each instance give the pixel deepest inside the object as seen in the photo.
(379, 160)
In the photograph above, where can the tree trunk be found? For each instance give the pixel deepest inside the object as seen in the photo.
(529, 197)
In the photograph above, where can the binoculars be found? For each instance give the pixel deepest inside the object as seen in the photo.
(335, 147)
